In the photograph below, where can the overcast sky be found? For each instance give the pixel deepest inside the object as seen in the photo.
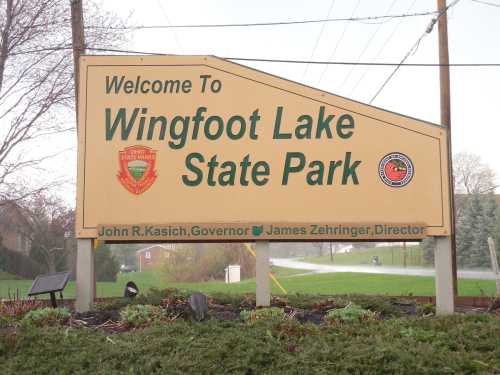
(474, 35)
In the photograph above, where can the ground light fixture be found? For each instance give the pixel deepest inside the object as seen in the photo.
(50, 283)
(131, 290)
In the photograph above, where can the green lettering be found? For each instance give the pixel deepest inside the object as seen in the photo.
(290, 156)
(197, 172)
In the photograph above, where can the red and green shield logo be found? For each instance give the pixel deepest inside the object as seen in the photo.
(137, 168)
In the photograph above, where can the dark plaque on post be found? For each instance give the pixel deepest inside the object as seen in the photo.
(50, 283)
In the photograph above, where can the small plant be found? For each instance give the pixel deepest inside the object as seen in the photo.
(47, 316)
(269, 313)
(350, 313)
(114, 304)
(16, 309)
(426, 309)
(140, 315)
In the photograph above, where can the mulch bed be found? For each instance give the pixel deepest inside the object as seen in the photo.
(109, 320)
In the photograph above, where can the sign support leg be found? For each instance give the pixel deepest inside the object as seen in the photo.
(445, 300)
(263, 293)
(85, 291)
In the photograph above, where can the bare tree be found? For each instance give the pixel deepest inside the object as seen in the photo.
(472, 175)
(36, 81)
(51, 220)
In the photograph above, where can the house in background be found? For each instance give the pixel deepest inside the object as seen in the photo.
(153, 257)
(15, 228)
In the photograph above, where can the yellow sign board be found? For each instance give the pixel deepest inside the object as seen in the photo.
(200, 142)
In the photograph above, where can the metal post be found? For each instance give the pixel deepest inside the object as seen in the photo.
(263, 292)
(53, 301)
(85, 291)
(494, 262)
(445, 297)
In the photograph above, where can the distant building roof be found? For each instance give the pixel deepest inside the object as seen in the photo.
(164, 247)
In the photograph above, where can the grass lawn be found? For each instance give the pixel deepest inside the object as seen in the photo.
(388, 256)
(331, 283)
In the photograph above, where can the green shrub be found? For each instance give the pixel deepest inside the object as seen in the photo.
(426, 309)
(113, 304)
(158, 297)
(350, 313)
(47, 316)
(268, 313)
(4, 321)
(198, 263)
(140, 315)
(19, 264)
(106, 266)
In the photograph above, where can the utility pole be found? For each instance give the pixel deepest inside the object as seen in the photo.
(85, 273)
(444, 83)
(78, 41)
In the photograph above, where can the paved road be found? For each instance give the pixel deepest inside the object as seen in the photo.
(411, 271)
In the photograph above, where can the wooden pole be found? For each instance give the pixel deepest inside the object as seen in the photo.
(78, 41)
(78, 37)
(444, 83)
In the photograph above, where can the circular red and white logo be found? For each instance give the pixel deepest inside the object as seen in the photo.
(395, 169)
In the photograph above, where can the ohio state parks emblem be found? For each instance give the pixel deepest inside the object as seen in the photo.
(395, 169)
(137, 168)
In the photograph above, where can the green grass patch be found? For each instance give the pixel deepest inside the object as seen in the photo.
(327, 284)
(8, 276)
(453, 345)
(284, 272)
(388, 256)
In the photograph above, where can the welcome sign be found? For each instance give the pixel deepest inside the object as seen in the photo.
(195, 148)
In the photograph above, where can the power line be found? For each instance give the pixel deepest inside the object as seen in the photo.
(380, 50)
(487, 3)
(168, 24)
(366, 47)
(413, 49)
(318, 39)
(275, 23)
(286, 61)
(337, 44)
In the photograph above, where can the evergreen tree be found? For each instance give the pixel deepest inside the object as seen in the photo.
(428, 248)
(105, 265)
(490, 213)
(464, 233)
(484, 207)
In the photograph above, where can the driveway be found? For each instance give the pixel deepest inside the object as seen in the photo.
(410, 271)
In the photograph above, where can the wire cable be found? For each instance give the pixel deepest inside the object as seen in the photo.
(317, 40)
(414, 48)
(325, 68)
(169, 24)
(256, 59)
(275, 23)
(367, 69)
(374, 34)
(487, 3)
